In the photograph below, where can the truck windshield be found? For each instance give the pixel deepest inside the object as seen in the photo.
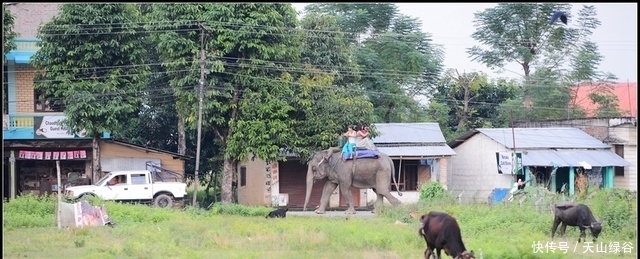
(103, 179)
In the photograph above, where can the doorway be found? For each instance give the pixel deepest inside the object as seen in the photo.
(562, 177)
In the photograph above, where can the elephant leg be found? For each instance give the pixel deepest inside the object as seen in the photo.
(348, 196)
(378, 206)
(328, 189)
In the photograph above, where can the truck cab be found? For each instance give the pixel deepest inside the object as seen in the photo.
(132, 186)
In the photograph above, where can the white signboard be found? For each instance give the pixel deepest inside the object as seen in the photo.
(50, 127)
(506, 162)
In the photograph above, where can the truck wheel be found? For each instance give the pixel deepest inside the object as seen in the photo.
(163, 201)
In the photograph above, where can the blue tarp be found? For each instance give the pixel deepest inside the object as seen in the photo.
(499, 194)
(363, 153)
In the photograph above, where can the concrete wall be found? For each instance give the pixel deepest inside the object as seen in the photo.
(474, 169)
(108, 149)
(254, 192)
(29, 16)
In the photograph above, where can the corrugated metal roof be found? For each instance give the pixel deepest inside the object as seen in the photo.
(538, 138)
(417, 151)
(566, 158)
(428, 132)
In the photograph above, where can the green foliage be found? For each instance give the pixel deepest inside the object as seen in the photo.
(358, 19)
(447, 104)
(240, 210)
(431, 191)
(93, 61)
(397, 61)
(237, 231)
(542, 50)
(615, 208)
(8, 35)
(607, 105)
(29, 211)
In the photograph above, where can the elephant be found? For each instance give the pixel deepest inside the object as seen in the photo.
(369, 173)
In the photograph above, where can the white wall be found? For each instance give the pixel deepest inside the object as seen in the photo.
(628, 133)
(407, 197)
(474, 169)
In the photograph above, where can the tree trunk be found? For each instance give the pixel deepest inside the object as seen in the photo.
(97, 169)
(182, 137)
(465, 109)
(528, 102)
(387, 115)
(227, 181)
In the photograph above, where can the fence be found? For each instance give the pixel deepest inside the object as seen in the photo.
(538, 197)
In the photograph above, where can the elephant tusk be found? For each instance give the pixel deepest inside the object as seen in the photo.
(321, 161)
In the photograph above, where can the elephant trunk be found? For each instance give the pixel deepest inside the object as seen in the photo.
(309, 186)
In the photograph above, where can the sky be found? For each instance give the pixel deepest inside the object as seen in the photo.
(451, 25)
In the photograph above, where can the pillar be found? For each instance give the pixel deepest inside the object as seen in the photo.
(527, 176)
(12, 175)
(553, 180)
(572, 181)
(608, 177)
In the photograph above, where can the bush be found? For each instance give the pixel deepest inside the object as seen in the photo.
(432, 191)
(241, 210)
(29, 211)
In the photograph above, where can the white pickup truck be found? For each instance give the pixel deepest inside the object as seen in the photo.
(132, 186)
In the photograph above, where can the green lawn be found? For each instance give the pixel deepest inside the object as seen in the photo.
(242, 232)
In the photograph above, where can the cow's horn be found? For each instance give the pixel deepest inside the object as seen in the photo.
(586, 226)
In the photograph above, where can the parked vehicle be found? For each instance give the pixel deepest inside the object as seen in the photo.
(139, 186)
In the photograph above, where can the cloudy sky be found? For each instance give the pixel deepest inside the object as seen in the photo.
(451, 25)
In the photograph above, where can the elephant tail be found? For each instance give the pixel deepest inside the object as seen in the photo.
(393, 176)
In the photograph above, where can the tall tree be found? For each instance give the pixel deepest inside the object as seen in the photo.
(327, 98)
(607, 105)
(520, 33)
(464, 101)
(396, 60)
(8, 35)
(358, 20)
(248, 46)
(93, 61)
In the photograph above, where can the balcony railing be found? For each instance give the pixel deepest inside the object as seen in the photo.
(17, 121)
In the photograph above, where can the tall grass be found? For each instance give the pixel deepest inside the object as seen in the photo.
(236, 231)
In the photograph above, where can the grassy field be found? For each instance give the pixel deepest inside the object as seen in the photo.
(235, 231)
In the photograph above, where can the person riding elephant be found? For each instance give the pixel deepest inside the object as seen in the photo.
(367, 173)
(349, 148)
(363, 139)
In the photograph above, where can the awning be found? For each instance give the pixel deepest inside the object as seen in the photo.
(20, 57)
(418, 151)
(572, 158)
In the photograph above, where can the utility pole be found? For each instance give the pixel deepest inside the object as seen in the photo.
(200, 101)
(515, 155)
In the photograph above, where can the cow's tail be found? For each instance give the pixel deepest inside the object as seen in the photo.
(424, 223)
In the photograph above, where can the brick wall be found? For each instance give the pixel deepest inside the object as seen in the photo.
(25, 94)
(28, 17)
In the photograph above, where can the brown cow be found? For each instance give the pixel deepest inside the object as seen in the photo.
(441, 231)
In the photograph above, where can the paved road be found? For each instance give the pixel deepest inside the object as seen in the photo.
(359, 214)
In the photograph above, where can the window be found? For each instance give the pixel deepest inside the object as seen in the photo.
(243, 176)
(138, 179)
(407, 178)
(47, 103)
(619, 170)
